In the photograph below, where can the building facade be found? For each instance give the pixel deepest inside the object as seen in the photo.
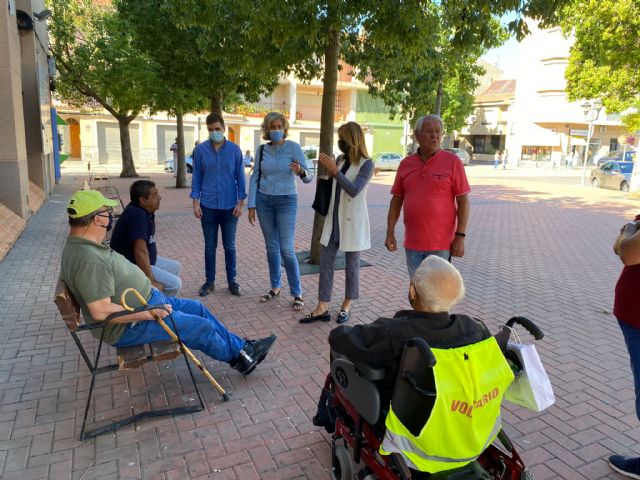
(26, 138)
(530, 116)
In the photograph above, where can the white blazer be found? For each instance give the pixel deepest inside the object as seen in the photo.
(353, 216)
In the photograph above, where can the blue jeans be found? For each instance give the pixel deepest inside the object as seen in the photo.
(167, 271)
(197, 327)
(228, 224)
(415, 258)
(277, 216)
(632, 339)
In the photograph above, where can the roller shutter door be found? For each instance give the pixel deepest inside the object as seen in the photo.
(109, 143)
(166, 135)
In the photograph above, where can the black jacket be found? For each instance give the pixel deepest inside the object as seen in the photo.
(380, 343)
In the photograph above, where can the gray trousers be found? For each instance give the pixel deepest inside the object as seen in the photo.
(352, 271)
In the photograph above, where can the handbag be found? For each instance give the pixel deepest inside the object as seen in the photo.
(322, 198)
(324, 188)
(532, 388)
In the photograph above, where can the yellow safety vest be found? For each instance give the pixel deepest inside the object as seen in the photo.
(470, 382)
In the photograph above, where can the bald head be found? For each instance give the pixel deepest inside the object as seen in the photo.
(438, 285)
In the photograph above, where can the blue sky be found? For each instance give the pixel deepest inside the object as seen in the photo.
(505, 57)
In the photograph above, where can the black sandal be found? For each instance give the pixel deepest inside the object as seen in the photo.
(342, 317)
(324, 317)
(298, 304)
(270, 295)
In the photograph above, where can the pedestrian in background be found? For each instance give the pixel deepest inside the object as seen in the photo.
(346, 226)
(218, 193)
(627, 311)
(496, 159)
(505, 156)
(273, 195)
(174, 152)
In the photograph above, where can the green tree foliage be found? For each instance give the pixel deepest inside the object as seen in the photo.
(96, 60)
(604, 59)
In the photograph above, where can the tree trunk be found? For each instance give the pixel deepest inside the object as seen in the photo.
(128, 167)
(216, 103)
(439, 94)
(327, 118)
(181, 172)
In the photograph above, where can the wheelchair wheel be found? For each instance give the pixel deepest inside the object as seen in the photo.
(526, 475)
(341, 466)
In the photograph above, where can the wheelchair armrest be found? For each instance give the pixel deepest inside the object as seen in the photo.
(367, 371)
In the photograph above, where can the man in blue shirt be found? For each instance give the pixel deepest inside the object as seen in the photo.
(218, 193)
(134, 237)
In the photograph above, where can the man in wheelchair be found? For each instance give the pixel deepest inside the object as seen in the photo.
(438, 409)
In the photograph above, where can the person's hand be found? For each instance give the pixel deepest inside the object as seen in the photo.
(390, 242)
(237, 210)
(160, 312)
(197, 210)
(252, 216)
(457, 246)
(295, 167)
(329, 162)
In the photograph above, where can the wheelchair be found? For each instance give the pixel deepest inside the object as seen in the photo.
(356, 417)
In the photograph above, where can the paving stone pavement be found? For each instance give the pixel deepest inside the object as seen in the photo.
(530, 253)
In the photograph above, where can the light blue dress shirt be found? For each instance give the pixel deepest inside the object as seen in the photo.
(276, 177)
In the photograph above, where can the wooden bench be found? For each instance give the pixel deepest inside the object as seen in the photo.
(128, 358)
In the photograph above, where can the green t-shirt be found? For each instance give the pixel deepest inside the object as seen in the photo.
(93, 271)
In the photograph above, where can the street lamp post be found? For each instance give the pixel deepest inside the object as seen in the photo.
(591, 113)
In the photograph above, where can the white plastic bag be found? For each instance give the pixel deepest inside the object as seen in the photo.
(532, 388)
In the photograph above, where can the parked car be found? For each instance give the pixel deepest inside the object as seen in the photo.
(168, 164)
(616, 156)
(461, 153)
(387, 160)
(615, 175)
(312, 153)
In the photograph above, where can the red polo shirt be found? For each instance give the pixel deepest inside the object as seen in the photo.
(625, 305)
(429, 190)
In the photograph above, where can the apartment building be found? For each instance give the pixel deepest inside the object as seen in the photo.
(530, 116)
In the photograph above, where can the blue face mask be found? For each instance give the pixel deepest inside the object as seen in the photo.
(276, 135)
(216, 136)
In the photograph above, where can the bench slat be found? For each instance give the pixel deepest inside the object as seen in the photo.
(132, 357)
(67, 305)
(164, 350)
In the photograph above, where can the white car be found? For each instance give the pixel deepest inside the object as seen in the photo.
(462, 154)
(387, 160)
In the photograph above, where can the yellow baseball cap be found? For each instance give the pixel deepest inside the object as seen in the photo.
(84, 202)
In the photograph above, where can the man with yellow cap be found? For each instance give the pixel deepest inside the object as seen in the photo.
(97, 276)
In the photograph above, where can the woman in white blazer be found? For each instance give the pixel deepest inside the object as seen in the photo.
(346, 226)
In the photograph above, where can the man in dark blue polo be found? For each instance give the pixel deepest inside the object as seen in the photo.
(134, 237)
(218, 193)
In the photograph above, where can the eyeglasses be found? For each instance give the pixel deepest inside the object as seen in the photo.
(108, 212)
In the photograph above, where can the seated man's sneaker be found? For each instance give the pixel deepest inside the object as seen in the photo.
(627, 466)
(253, 352)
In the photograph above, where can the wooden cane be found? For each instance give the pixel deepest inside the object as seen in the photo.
(175, 338)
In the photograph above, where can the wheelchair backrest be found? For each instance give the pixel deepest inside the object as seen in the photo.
(356, 383)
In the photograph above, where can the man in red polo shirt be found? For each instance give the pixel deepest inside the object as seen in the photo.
(627, 311)
(431, 188)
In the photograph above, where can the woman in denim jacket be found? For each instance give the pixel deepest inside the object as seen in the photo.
(273, 195)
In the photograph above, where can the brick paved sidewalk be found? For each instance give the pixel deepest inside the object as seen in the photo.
(545, 257)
